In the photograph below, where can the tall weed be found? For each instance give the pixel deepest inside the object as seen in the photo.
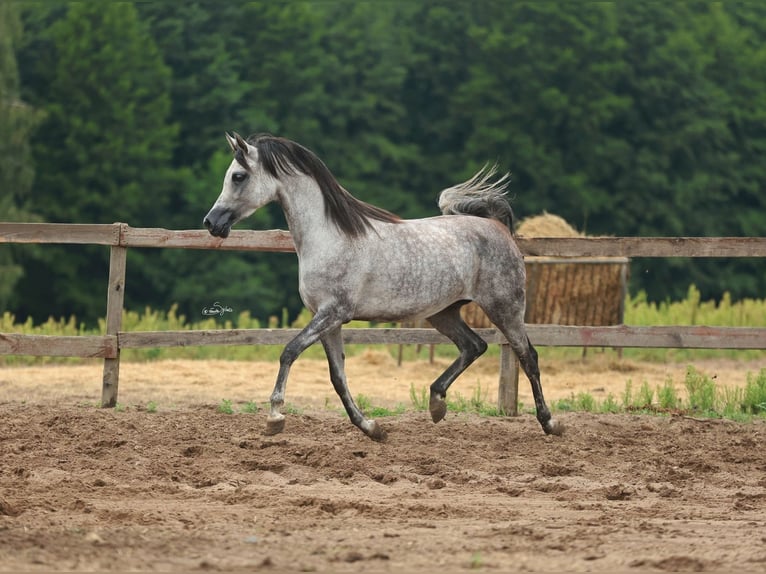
(701, 391)
(667, 396)
(754, 394)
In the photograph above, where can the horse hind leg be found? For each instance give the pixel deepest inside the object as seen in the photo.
(449, 323)
(529, 362)
(510, 321)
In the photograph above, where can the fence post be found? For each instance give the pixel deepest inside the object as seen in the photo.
(114, 303)
(508, 387)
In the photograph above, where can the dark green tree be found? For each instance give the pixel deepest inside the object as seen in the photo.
(208, 86)
(366, 53)
(694, 131)
(539, 96)
(103, 152)
(17, 119)
(441, 55)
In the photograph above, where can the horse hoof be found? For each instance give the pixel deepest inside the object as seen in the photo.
(376, 433)
(275, 426)
(554, 427)
(438, 407)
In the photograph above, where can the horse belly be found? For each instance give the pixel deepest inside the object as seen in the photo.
(409, 296)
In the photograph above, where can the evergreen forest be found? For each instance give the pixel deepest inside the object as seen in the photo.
(625, 118)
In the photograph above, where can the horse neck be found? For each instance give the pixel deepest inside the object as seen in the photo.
(304, 208)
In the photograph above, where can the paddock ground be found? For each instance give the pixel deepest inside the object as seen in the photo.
(189, 488)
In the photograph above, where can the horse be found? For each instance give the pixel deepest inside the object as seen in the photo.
(357, 261)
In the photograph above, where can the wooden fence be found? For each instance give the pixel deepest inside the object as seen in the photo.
(120, 237)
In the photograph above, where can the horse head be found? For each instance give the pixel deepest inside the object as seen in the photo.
(246, 187)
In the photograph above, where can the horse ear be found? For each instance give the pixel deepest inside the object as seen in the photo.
(241, 143)
(232, 142)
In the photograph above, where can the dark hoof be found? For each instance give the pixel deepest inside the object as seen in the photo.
(554, 427)
(376, 433)
(274, 426)
(438, 407)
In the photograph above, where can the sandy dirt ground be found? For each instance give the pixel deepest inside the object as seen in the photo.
(188, 488)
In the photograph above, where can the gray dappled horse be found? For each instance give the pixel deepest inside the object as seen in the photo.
(357, 261)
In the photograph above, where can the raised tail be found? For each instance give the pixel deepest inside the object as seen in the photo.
(480, 196)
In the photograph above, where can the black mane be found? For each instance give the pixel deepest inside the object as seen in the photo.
(281, 156)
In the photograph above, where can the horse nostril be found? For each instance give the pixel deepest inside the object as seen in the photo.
(206, 223)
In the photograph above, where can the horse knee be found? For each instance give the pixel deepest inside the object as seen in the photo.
(288, 356)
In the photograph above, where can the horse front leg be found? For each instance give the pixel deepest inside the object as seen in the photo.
(332, 341)
(321, 322)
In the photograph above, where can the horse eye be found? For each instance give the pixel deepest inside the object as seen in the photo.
(238, 177)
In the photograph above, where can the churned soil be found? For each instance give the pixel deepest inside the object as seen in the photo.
(181, 486)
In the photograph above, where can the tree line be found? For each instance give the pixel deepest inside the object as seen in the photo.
(626, 118)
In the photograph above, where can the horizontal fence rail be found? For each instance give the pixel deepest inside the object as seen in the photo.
(102, 347)
(94, 234)
(644, 246)
(107, 346)
(120, 237)
(540, 335)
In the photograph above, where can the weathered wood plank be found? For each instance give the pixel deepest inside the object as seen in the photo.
(508, 382)
(541, 335)
(271, 240)
(570, 260)
(115, 298)
(56, 346)
(644, 246)
(142, 339)
(106, 346)
(94, 234)
(664, 337)
(281, 241)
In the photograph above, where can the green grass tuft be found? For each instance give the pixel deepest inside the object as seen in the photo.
(419, 398)
(225, 407)
(250, 407)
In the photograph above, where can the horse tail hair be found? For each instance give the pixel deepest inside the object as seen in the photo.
(480, 196)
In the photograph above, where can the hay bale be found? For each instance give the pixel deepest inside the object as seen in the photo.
(561, 291)
(475, 317)
(586, 292)
(546, 225)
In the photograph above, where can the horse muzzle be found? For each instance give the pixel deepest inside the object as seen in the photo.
(219, 221)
